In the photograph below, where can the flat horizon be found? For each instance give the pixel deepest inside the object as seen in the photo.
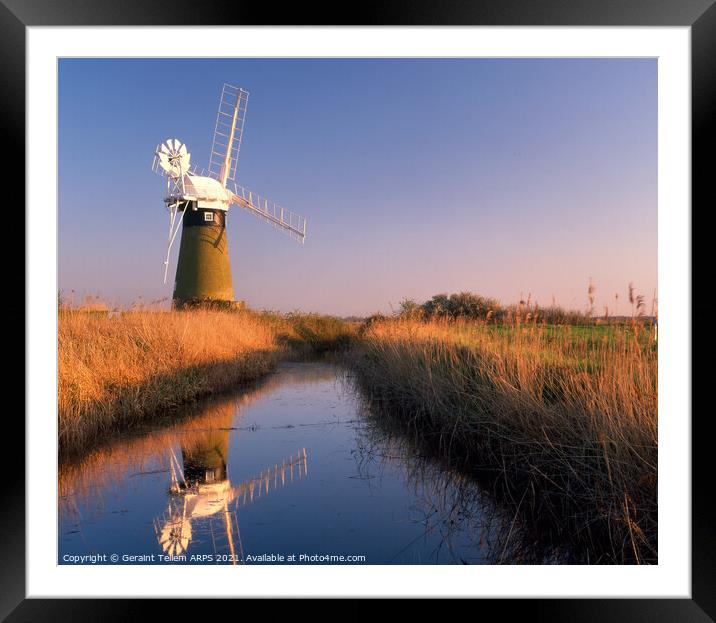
(505, 177)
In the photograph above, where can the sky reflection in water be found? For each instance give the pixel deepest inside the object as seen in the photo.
(288, 468)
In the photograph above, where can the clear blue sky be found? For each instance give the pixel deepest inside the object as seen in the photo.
(417, 176)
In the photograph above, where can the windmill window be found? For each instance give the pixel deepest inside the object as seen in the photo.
(208, 216)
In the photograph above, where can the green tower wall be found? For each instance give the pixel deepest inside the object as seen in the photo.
(203, 268)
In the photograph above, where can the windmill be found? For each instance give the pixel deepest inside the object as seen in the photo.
(199, 199)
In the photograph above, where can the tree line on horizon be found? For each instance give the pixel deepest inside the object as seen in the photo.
(472, 306)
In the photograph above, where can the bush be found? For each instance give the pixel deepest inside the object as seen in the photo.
(462, 305)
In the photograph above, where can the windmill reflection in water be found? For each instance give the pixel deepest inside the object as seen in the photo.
(201, 493)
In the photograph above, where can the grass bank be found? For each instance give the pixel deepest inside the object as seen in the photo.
(562, 421)
(308, 335)
(115, 371)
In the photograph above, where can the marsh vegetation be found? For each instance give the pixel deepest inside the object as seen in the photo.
(117, 369)
(561, 419)
(553, 411)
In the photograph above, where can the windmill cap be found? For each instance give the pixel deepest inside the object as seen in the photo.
(204, 189)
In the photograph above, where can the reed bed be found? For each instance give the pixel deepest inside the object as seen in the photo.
(119, 370)
(310, 334)
(562, 420)
(116, 371)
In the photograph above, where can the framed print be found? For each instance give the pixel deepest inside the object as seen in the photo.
(439, 345)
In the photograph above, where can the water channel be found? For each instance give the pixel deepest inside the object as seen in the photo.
(291, 471)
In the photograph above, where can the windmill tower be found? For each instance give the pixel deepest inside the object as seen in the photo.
(200, 200)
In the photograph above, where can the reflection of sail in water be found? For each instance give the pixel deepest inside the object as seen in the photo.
(200, 490)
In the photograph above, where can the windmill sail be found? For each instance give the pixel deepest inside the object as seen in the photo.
(289, 222)
(228, 132)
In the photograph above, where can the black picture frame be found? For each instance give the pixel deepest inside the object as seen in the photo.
(700, 15)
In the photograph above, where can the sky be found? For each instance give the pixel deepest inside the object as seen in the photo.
(504, 177)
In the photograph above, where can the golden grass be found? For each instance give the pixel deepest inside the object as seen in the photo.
(565, 419)
(114, 372)
(118, 370)
(311, 334)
